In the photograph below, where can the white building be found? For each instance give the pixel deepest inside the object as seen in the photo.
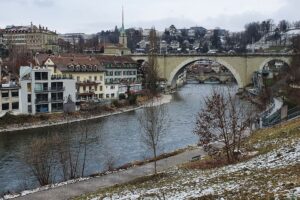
(9, 98)
(43, 93)
(120, 71)
(111, 91)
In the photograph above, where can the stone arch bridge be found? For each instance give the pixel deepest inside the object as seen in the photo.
(241, 66)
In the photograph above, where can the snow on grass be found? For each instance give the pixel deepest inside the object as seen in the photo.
(47, 187)
(258, 176)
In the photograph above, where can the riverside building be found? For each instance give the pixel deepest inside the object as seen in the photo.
(43, 92)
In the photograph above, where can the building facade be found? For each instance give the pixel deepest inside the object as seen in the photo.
(9, 98)
(43, 92)
(85, 70)
(121, 73)
(31, 37)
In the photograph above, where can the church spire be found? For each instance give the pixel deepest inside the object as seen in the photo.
(123, 37)
(123, 18)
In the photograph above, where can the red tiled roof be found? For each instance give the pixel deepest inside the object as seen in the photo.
(77, 63)
(115, 59)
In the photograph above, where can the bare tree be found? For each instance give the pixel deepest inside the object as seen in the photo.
(223, 118)
(72, 152)
(153, 122)
(151, 69)
(40, 158)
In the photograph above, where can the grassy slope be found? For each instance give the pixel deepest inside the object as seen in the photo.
(273, 172)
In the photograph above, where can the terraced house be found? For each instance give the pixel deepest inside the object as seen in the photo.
(86, 70)
(121, 73)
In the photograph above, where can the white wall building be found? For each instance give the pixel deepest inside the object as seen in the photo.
(9, 98)
(111, 91)
(43, 93)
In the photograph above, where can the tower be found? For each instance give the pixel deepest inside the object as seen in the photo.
(123, 37)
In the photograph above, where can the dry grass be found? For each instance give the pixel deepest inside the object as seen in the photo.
(260, 183)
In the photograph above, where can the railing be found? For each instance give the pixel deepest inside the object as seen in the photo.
(59, 77)
(88, 82)
(276, 117)
(42, 101)
(53, 100)
(54, 89)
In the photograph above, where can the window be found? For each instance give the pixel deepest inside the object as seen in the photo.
(112, 95)
(42, 108)
(101, 88)
(90, 78)
(112, 87)
(101, 96)
(101, 78)
(95, 78)
(96, 88)
(15, 106)
(40, 87)
(78, 78)
(84, 88)
(57, 96)
(15, 93)
(57, 107)
(41, 98)
(4, 94)
(29, 109)
(57, 85)
(107, 96)
(118, 73)
(41, 75)
(90, 88)
(29, 98)
(5, 106)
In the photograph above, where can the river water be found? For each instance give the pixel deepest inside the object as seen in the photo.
(118, 139)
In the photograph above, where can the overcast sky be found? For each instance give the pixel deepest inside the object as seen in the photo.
(91, 16)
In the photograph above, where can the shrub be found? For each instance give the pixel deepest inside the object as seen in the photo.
(132, 99)
(122, 96)
(115, 103)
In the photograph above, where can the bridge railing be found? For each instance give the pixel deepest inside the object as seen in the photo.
(221, 54)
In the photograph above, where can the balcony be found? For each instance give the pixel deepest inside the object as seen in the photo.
(88, 83)
(42, 101)
(59, 77)
(45, 90)
(57, 100)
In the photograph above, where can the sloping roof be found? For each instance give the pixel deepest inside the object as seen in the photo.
(117, 62)
(115, 59)
(41, 58)
(77, 64)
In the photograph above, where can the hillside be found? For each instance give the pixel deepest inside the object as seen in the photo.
(271, 170)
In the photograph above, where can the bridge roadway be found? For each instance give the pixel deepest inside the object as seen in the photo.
(242, 66)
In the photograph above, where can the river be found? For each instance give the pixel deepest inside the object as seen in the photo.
(118, 136)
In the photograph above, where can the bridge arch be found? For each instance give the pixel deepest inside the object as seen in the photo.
(218, 60)
(268, 60)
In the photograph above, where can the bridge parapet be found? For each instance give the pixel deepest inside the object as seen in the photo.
(242, 66)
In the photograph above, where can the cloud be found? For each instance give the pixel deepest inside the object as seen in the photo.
(96, 15)
(43, 3)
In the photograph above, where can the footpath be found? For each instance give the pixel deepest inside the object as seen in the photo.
(93, 184)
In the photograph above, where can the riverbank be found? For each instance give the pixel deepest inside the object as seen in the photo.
(163, 99)
(72, 188)
(271, 161)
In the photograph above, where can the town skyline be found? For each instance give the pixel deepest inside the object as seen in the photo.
(73, 16)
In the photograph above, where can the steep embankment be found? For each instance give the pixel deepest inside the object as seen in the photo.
(272, 171)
